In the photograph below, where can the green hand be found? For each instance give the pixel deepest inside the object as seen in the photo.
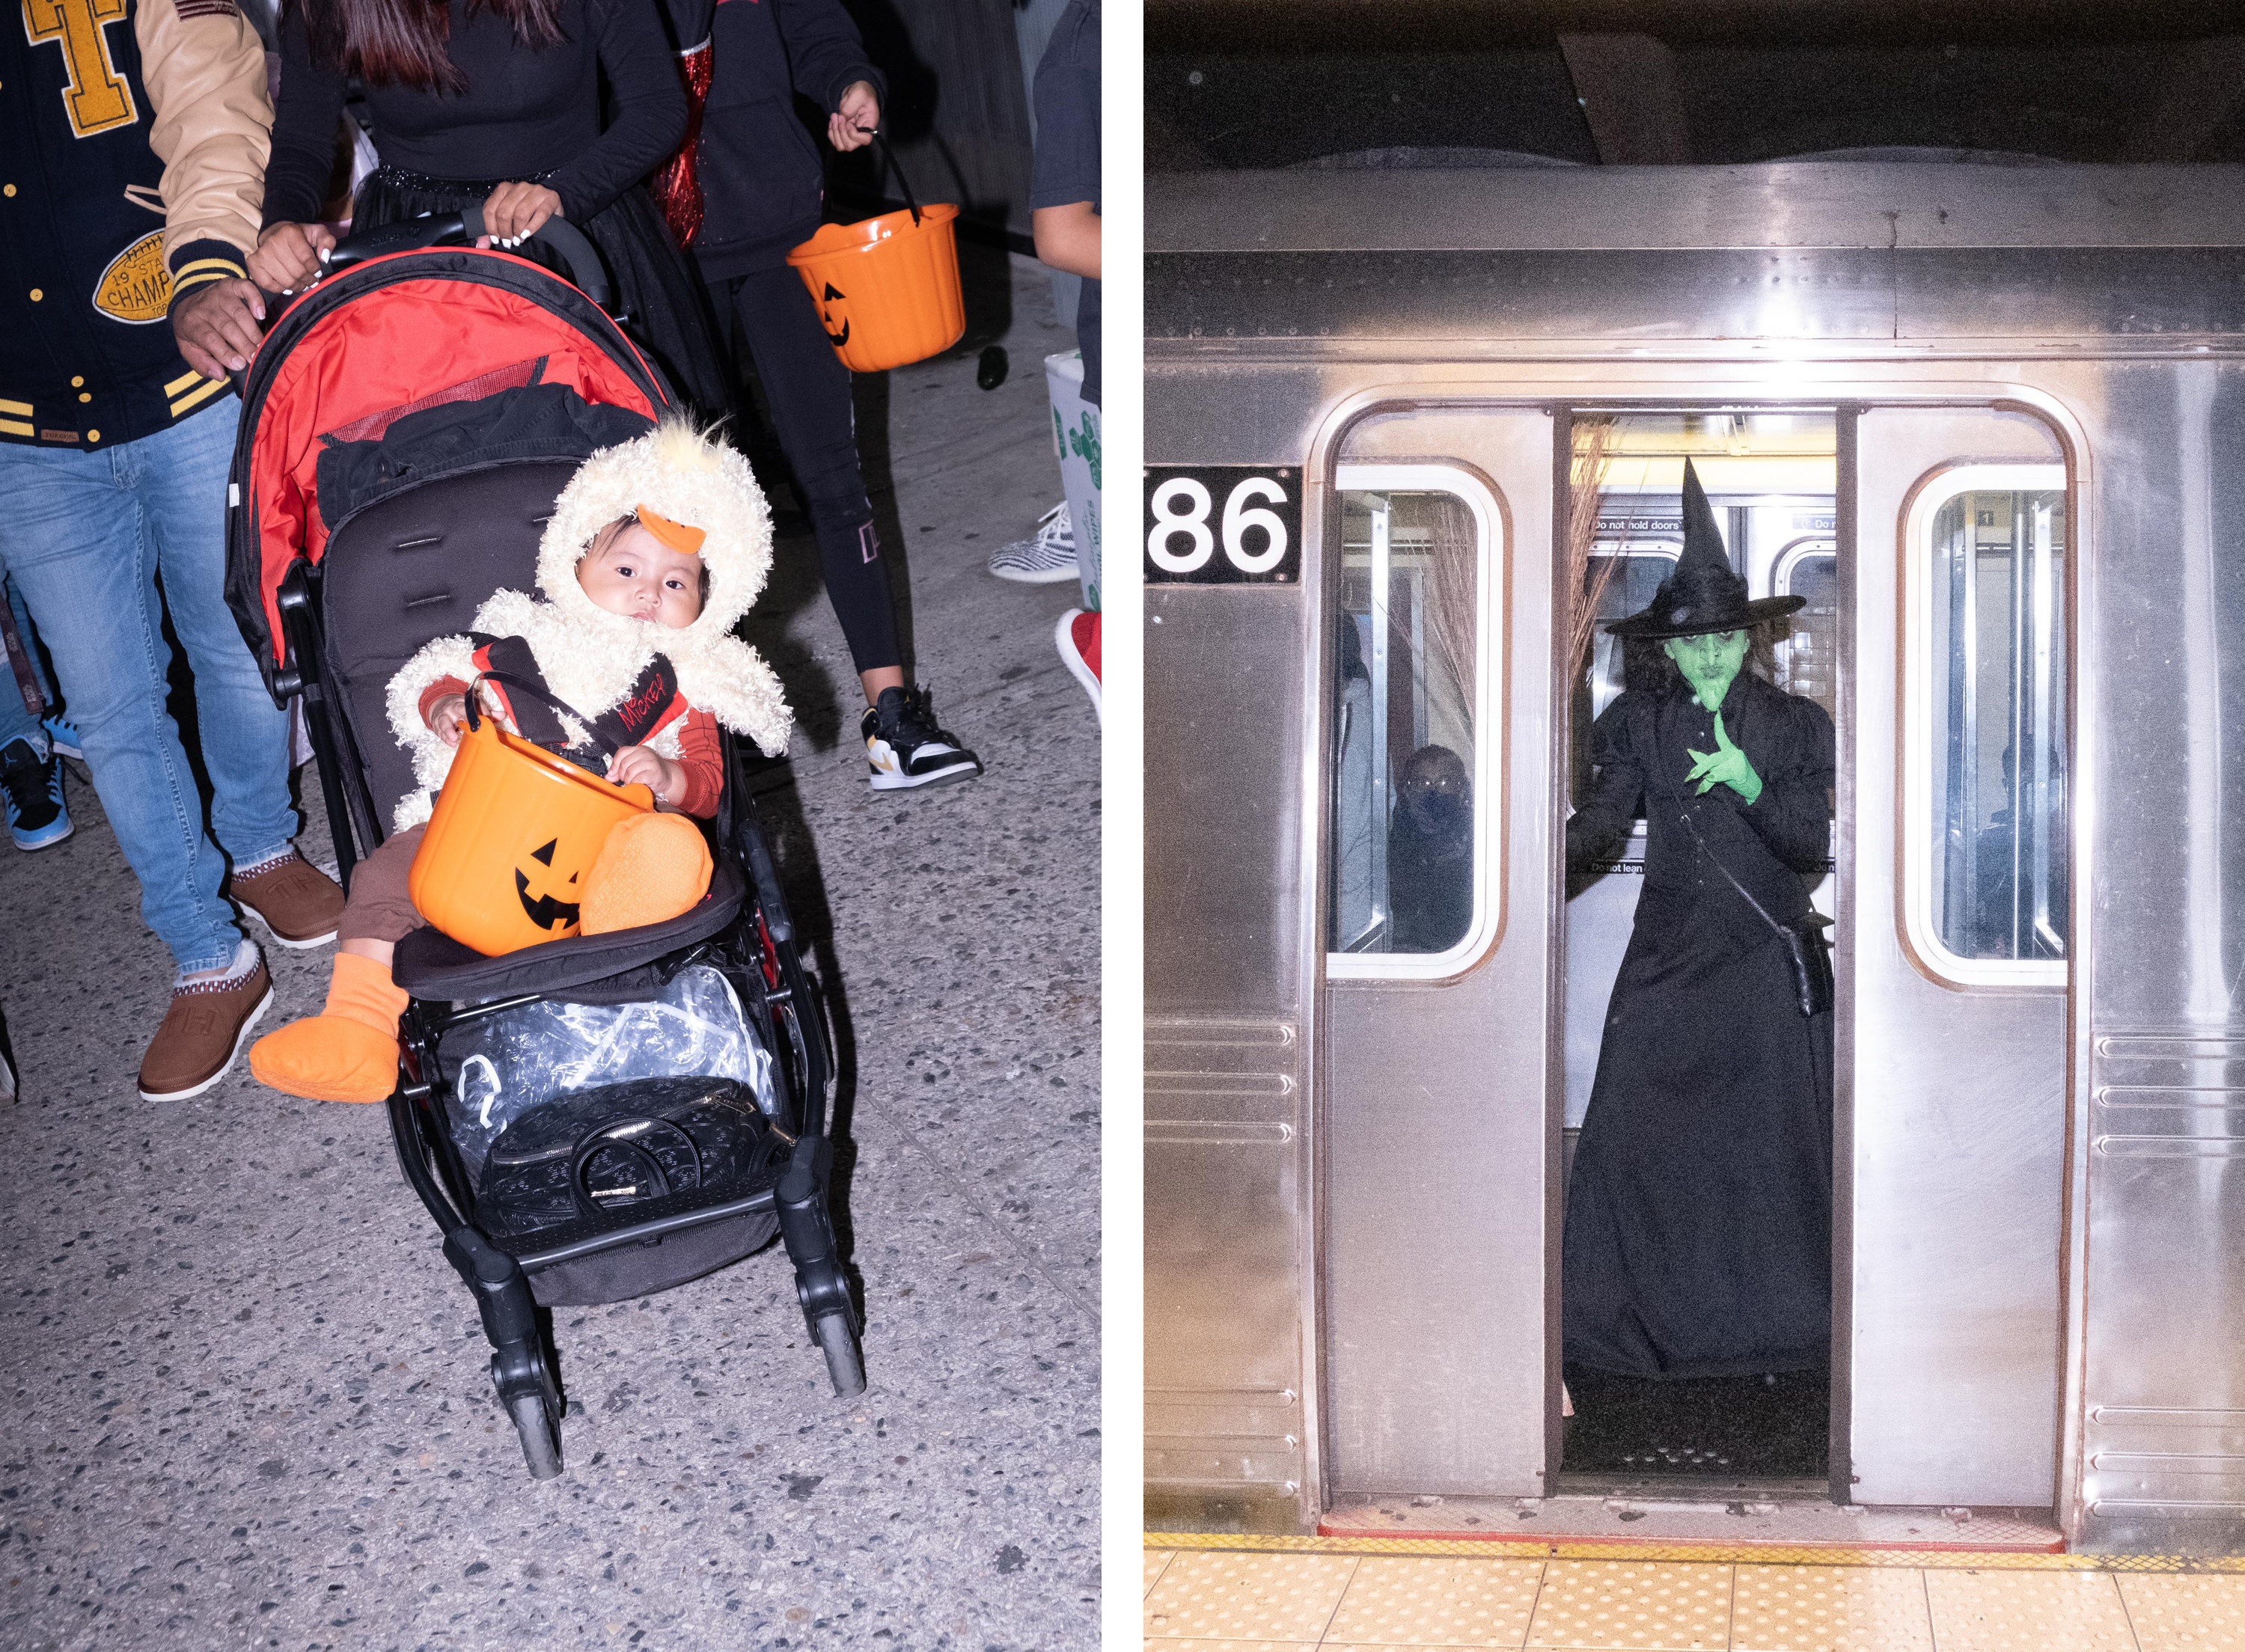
(1726, 764)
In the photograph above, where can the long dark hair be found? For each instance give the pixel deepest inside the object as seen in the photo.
(401, 43)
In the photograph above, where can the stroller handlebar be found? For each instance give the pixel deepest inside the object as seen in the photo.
(580, 261)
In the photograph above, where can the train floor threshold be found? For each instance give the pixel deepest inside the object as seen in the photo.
(1724, 1518)
(1228, 1594)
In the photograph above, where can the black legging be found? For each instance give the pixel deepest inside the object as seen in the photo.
(808, 389)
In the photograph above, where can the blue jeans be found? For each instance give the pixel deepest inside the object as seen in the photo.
(16, 722)
(83, 537)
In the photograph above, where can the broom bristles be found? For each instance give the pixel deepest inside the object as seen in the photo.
(1586, 478)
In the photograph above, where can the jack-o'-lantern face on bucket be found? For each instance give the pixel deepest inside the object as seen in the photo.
(545, 908)
(513, 831)
(831, 313)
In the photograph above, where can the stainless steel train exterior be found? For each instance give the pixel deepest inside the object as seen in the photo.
(1353, 1162)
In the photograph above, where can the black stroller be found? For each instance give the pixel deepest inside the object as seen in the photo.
(407, 425)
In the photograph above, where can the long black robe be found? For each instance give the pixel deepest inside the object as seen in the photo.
(1699, 1215)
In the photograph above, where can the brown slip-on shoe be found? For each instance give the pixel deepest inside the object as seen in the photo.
(299, 905)
(203, 1031)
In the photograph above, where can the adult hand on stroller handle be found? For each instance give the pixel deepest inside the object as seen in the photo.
(514, 211)
(580, 260)
(289, 256)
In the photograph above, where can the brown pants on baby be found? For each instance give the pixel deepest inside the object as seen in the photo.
(379, 909)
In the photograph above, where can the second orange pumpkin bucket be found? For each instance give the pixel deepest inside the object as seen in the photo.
(514, 832)
(887, 287)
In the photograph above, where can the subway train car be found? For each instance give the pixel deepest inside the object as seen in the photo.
(1410, 437)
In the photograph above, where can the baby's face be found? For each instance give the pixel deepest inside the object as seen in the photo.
(634, 573)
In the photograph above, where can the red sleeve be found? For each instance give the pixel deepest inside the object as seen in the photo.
(702, 758)
(438, 690)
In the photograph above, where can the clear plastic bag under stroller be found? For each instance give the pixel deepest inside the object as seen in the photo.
(503, 1066)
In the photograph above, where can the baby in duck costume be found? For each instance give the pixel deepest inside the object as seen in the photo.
(656, 548)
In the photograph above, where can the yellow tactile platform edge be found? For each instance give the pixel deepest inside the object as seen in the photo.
(1737, 1554)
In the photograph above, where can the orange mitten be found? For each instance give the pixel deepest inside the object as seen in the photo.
(348, 1052)
(650, 869)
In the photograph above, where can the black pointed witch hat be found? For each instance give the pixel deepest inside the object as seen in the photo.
(1702, 594)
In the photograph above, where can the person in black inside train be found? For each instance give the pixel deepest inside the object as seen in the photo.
(2004, 930)
(1697, 1219)
(747, 186)
(495, 105)
(1430, 852)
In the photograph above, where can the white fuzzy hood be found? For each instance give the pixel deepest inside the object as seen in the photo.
(591, 658)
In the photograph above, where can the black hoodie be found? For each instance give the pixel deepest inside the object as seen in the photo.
(762, 179)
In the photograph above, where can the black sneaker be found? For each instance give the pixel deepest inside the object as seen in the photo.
(31, 787)
(905, 748)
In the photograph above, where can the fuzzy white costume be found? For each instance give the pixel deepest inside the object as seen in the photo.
(591, 658)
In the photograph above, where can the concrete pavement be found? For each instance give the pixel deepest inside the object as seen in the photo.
(244, 1402)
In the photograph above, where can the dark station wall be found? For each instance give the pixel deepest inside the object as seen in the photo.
(958, 109)
(1239, 84)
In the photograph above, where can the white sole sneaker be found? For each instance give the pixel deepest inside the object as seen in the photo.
(241, 1037)
(69, 831)
(1046, 556)
(889, 774)
(242, 909)
(1035, 576)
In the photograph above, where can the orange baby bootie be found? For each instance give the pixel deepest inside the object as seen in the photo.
(650, 869)
(348, 1052)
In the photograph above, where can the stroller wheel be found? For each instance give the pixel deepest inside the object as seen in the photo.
(845, 1364)
(542, 1440)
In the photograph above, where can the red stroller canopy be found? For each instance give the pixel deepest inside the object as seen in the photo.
(383, 339)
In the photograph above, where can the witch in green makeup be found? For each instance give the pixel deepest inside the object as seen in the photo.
(1699, 1214)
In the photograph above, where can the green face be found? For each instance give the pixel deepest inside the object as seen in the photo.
(1708, 663)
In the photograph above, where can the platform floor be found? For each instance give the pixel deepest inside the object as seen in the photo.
(244, 1403)
(1206, 1594)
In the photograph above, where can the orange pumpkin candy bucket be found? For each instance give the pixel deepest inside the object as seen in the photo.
(515, 830)
(887, 287)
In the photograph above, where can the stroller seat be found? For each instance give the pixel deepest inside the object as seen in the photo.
(431, 964)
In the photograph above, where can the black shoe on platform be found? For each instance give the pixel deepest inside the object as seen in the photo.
(905, 748)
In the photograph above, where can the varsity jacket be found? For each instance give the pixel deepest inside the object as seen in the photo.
(133, 145)
(763, 173)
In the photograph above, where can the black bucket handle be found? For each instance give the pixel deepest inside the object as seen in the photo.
(889, 162)
(537, 691)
